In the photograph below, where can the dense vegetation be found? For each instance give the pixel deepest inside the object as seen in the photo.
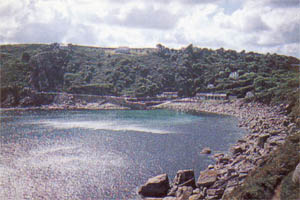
(146, 72)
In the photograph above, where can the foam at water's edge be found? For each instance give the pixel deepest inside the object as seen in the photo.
(100, 125)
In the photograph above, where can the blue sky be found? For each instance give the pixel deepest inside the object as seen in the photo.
(252, 25)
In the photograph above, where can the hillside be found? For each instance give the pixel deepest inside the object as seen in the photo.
(145, 72)
(271, 79)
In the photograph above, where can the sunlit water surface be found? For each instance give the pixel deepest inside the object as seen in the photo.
(102, 154)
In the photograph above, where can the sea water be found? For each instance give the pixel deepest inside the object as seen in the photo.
(103, 154)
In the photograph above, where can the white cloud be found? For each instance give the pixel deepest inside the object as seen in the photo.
(258, 26)
(263, 26)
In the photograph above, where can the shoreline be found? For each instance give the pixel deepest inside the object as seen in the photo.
(266, 128)
(89, 106)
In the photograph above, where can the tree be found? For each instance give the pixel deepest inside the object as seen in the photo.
(25, 57)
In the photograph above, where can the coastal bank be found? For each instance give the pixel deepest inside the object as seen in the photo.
(267, 130)
(267, 127)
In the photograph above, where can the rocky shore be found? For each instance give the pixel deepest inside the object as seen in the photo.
(62, 101)
(267, 128)
(88, 106)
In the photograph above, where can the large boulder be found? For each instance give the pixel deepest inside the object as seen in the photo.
(296, 175)
(157, 186)
(185, 178)
(207, 178)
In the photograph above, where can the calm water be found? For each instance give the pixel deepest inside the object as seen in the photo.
(102, 154)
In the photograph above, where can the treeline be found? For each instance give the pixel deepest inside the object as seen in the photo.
(90, 70)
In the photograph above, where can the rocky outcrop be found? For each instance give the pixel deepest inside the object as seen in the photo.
(26, 97)
(206, 150)
(157, 186)
(267, 129)
(183, 187)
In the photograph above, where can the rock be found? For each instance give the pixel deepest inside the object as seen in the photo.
(216, 197)
(190, 182)
(183, 193)
(252, 125)
(173, 190)
(196, 191)
(157, 186)
(227, 193)
(222, 171)
(292, 129)
(242, 176)
(221, 183)
(275, 132)
(286, 123)
(196, 197)
(218, 155)
(238, 159)
(210, 167)
(207, 178)
(185, 178)
(215, 192)
(233, 182)
(237, 149)
(246, 166)
(206, 150)
(230, 171)
(241, 141)
(224, 160)
(169, 198)
(262, 139)
(296, 175)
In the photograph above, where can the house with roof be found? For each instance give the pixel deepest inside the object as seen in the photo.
(211, 96)
(169, 95)
(125, 50)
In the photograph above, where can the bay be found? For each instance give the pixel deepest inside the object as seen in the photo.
(83, 154)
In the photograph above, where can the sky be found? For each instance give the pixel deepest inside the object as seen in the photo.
(253, 25)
